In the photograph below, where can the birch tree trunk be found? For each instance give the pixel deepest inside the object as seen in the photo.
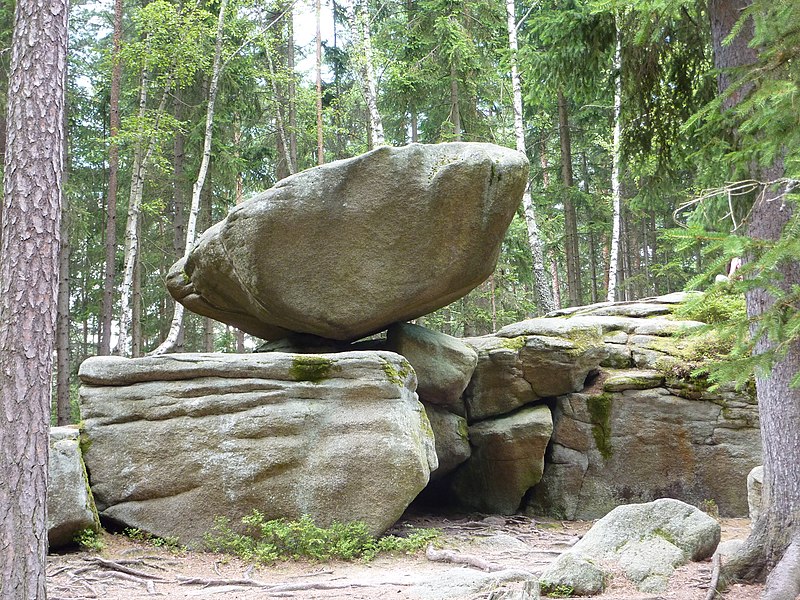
(107, 309)
(140, 159)
(168, 344)
(616, 158)
(320, 139)
(544, 299)
(31, 220)
(359, 22)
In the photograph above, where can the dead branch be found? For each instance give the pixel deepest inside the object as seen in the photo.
(712, 587)
(458, 558)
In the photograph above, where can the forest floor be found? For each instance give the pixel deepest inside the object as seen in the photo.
(127, 569)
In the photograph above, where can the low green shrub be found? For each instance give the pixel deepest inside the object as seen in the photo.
(88, 539)
(168, 543)
(267, 541)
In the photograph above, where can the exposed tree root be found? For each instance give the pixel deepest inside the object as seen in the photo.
(460, 559)
(749, 563)
(783, 582)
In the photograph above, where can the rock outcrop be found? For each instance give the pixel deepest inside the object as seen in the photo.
(177, 440)
(644, 427)
(646, 541)
(70, 507)
(346, 249)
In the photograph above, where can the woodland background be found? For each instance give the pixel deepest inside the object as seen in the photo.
(141, 75)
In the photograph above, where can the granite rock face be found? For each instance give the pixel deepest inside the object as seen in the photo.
(70, 507)
(345, 249)
(177, 440)
(643, 428)
(444, 364)
(507, 460)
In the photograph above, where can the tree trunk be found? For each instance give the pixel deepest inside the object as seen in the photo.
(358, 16)
(143, 149)
(455, 112)
(570, 217)
(136, 301)
(616, 195)
(291, 87)
(544, 299)
(107, 308)
(31, 220)
(320, 139)
(168, 345)
(62, 320)
(773, 548)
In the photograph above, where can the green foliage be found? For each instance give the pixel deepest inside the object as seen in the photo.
(267, 541)
(89, 540)
(168, 543)
(729, 355)
(557, 591)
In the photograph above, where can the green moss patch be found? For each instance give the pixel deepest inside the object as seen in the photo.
(396, 375)
(600, 415)
(311, 368)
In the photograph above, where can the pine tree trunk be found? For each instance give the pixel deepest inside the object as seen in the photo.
(616, 197)
(136, 302)
(169, 344)
(544, 299)
(107, 308)
(31, 220)
(570, 217)
(773, 547)
(62, 319)
(455, 112)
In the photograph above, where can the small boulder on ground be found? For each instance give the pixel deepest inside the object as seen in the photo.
(646, 541)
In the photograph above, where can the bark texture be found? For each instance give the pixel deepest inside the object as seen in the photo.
(570, 215)
(773, 549)
(34, 165)
(111, 194)
(544, 297)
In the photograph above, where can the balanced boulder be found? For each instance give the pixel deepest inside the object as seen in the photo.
(345, 249)
(178, 440)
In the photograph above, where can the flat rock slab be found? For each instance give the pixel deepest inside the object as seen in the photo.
(176, 441)
(344, 250)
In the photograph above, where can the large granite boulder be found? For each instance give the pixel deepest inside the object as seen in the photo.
(344, 250)
(646, 541)
(70, 507)
(177, 440)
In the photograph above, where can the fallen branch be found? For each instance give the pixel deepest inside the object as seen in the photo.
(712, 587)
(470, 560)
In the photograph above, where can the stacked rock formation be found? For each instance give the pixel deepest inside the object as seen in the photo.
(568, 415)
